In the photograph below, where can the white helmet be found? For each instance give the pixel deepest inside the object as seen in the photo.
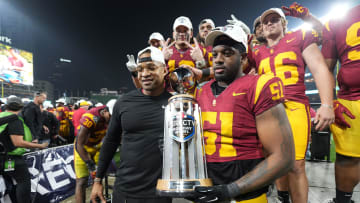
(24, 100)
(99, 104)
(110, 104)
(47, 105)
(61, 100)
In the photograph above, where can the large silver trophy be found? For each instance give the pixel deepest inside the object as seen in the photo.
(184, 164)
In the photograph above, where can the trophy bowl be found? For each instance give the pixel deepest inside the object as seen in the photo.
(182, 80)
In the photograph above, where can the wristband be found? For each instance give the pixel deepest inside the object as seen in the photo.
(327, 106)
(97, 180)
(205, 73)
(134, 74)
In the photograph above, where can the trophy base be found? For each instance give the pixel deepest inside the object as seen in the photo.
(179, 188)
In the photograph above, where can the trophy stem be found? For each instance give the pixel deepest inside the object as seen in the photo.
(182, 149)
(183, 161)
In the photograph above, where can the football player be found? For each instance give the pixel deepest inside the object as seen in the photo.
(205, 27)
(83, 107)
(87, 147)
(341, 41)
(156, 40)
(62, 114)
(180, 51)
(242, 114)
(258, 33)
(284, 55)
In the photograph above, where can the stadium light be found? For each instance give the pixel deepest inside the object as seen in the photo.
(65, 60)
(306, 26)
(337, 11)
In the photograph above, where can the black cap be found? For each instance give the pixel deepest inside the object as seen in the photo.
(14, 103)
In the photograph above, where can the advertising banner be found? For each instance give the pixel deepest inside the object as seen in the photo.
(52, 173)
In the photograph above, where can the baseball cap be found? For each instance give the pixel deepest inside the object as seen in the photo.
(155, 55)
(256, 22)
(270, 11)
(14, 103)
(157, 36)
(232, 31)
(207, 20)
(184, 21)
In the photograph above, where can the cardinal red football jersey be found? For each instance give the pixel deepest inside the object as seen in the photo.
(183, 57)
(97, 127)
(341, 40)
(285, 61)
(208, 55)
(229, 119)
(62, 113)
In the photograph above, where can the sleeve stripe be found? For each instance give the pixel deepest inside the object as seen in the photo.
(327, 26)
(263, 79)
(303, 33)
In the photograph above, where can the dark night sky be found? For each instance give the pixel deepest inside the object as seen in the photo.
(97, 35)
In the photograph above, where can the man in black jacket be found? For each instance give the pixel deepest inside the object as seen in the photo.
(52, 124)
(137, 121)
(32, 114)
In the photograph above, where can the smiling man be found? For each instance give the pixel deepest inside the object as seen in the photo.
(138, 123)
(181, 52)
(205, 27)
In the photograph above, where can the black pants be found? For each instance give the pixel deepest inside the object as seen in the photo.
(119, 198)
(22, 176)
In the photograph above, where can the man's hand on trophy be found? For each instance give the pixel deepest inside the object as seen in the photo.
(197, 72)
(215, 193)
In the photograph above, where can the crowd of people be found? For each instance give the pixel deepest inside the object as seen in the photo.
(37, 125)
(255, 114)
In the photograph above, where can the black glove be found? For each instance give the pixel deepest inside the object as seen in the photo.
(91, 165)
(215, 193)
